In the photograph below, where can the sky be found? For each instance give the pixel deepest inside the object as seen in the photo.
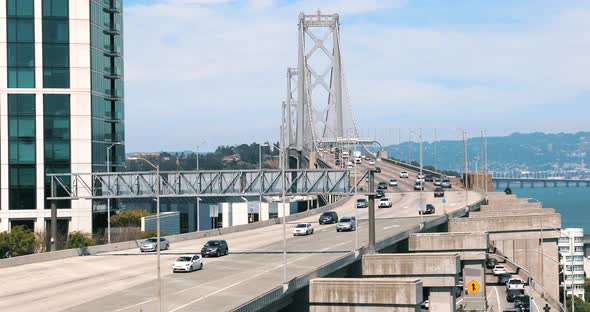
(215, 70)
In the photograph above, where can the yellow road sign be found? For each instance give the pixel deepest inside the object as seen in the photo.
(473, 287)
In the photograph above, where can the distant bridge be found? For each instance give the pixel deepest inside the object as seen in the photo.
(501, 183)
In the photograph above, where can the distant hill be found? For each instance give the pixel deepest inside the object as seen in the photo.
(519, 151)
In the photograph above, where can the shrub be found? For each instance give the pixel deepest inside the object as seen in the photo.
(19, 241)
(128, 218)
(78, 240)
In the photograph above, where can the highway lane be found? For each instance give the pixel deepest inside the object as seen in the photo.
(125, 280)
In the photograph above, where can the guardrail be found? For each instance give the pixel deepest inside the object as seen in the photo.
(411, 167)
(92, 250)
(347, 259)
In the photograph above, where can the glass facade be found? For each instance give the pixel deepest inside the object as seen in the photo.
(21, 151)
(106, 56)
(20, 35)
(56, 48)
(56, 136)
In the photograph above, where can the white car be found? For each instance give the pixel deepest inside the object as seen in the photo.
(499, 269)
(384, 203)
(371, 162)
(419, 186)
(187, 263)
(515, 283)
(437, 182)
(392, 182)
(303, 229)
(404, 174)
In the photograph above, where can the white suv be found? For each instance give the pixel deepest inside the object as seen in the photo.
(404, 174)
(384, 203)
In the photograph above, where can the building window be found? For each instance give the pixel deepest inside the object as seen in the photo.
(20, 35)
(56, 48)
(563, 240)
(578, 249)
(564, 249)
(56, 134)
(578, 239)
(21, 151)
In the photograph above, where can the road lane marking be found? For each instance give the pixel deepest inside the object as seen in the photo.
(406, 206)
(135, 305)
(498, 298)
(392, 226)
(249, 278)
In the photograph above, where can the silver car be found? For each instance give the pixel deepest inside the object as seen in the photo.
(150, 244)
(346, 224)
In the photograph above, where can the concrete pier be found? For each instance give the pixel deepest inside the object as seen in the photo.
(365, 294)
(439, 272)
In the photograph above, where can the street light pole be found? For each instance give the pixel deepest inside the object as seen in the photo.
(109, 199)
(283, 199)
(158, 182)
(199, 199)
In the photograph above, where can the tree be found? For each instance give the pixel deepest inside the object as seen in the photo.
(19, 241)
(579, 304)
(129, 218)
(78, 239)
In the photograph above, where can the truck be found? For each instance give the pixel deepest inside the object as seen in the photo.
(357, 154)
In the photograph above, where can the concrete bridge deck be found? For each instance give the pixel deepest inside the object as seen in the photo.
(125, 280)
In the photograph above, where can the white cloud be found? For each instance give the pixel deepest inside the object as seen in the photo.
(217, 70)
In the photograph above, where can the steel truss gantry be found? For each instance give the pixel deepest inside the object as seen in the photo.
(204, 183)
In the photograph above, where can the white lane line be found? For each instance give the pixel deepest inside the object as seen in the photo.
(534, 303)
(498, 298)
(391, 226)
(406, 206)
(135, 305)
(249, 278)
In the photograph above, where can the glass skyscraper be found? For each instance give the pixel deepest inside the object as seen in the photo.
(61, 104)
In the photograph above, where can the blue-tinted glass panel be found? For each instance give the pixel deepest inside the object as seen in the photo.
(55, 8)
(20, 30)
(21, 54)
(55, 30)
(21, 77)
(56, 77)
(22, 8)
(56, 55)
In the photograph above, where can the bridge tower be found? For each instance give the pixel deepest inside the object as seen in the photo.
(316, 107)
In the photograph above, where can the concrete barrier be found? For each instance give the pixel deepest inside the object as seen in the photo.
(469, 245)
(511, 205)
(499, 213)
(92, 250)
(433, 269)
(514, 227)
(374, 294)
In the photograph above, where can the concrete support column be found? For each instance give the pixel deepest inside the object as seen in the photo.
(551, 268)
(473, 270)
(442, 299)
(382, 154)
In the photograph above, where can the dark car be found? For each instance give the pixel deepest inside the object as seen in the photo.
(215, 247)
(513, 293)
(428, 178)
(504, 278)
(491, 263)
(523, 302)
(382, 186)
(377, 169)
(439, 192)
(362, 203)
(428, 210)
(379, 194)
(328, 217)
